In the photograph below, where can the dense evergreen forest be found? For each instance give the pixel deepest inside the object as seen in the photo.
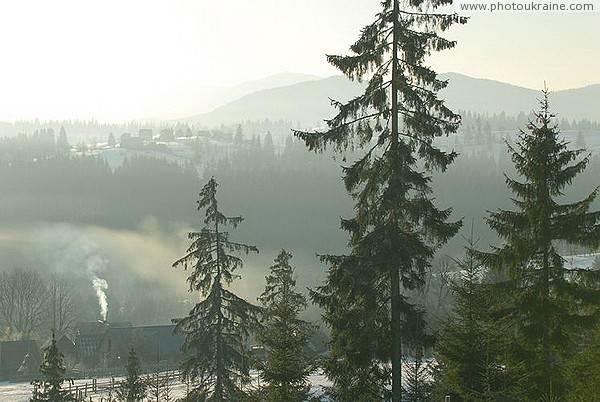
(272, 179)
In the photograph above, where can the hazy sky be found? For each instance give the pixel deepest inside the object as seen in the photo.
(124, 59)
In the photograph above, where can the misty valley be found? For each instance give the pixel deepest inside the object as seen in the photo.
(96, 226)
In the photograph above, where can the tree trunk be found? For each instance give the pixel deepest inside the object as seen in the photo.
(396, 325)
(396, 339)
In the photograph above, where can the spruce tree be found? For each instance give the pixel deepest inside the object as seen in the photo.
(472, 347)
(53, 369)
(359, 322)
(396, 228)
(417, 387)
(62, 144)
(133, 388)
(284, 335)
(583, 369)
(417, 370)
(548, 302)
(216, 328)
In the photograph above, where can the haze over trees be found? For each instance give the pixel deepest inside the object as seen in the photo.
(268, 187)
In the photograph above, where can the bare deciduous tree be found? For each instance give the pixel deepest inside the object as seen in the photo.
(23, 302)
(63, 298)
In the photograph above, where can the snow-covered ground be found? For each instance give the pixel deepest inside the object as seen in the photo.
(21, 392)
(115, 157)
(16, 392)
(581, 261)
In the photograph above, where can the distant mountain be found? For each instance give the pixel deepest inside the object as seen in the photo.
(489, 96)
(273, 81)
(308, 102)
(580, 103)
(486, 96)
(205, 99)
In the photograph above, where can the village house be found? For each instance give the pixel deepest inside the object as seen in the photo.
(19, 359)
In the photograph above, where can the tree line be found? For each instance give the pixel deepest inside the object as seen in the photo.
(86, 190)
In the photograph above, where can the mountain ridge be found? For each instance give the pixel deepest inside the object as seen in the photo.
(308, 102)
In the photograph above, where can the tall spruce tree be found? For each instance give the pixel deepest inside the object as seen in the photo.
(53, 369)
(396, 228)
(284, 335)
(133, 388)
(548, 301)
(216, 328)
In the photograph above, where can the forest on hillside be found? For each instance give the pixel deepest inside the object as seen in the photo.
(291, 198)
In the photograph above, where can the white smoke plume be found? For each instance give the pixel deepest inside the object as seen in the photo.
(74, 251)
(94, 264)
(100, 286)
(86, 253)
